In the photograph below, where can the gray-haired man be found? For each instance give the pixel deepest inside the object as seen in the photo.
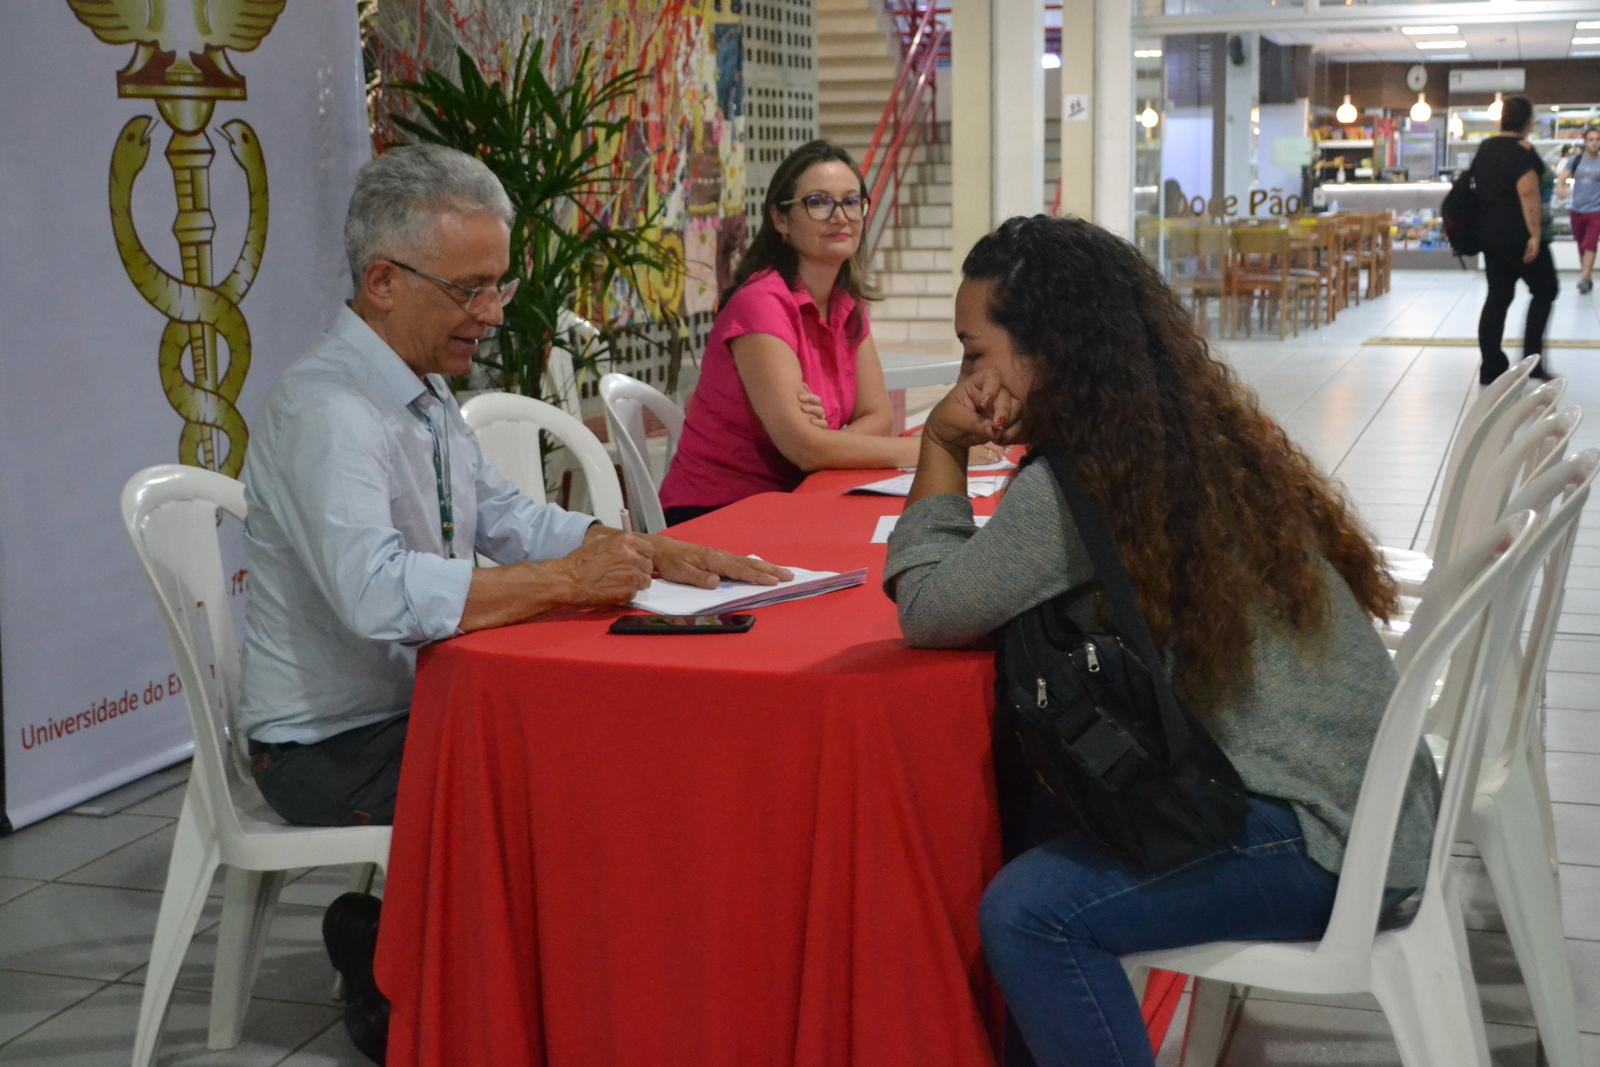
(368, 497)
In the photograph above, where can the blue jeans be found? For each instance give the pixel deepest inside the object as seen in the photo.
(1057, 919)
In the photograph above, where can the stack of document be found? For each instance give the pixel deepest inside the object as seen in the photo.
(670, 598)
(886, 524)
(900, 485)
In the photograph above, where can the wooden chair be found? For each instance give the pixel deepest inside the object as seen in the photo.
(1261, 268)
(1196, 266)
(1349, 229)
(1318, 264)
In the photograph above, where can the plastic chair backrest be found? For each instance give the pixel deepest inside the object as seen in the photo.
(560, 376)
(508, 426)
(1477, 610)
(1558, 496)
(172, 513)
(1491, 402)
(626, 400)
(1536, 447)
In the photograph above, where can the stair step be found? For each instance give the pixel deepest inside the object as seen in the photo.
(855, 70)
(861, 20)
(913, 259)
(913, 282)
(847, 48)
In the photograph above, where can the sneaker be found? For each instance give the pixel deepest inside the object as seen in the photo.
(1585, 284)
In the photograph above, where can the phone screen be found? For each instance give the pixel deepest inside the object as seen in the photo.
(682, 624)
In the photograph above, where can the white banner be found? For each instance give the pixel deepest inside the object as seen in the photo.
(170, 240)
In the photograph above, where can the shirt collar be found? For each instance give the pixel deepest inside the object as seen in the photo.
(840, 303)
(383, 364)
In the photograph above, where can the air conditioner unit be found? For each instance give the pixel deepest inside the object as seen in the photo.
(1509, 80)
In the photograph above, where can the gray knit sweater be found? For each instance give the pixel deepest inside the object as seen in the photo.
(1300, 731)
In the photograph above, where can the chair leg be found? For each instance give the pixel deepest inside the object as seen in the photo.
(1422, 977)
(1209, 1024)
(1530, 900)
(189, 872)
(248, 903)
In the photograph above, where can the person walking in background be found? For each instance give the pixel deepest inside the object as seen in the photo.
(1514, 190)
(1582, 189)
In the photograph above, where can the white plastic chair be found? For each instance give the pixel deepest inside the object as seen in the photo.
(171, 513)
(1509, 821)
(1535, 449)
(1420, 973)
(562, 385)
(1475, 447)
(508, 425)
(626, 400)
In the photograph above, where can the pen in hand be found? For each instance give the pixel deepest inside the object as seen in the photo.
(626, 520)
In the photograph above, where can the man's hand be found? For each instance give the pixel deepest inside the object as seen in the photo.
(1531, 253)
(977, 411)
(686, 564)
(608, 571)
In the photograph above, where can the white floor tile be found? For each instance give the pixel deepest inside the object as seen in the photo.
(1574, 777)
(99, 1033)
(331, 1048)
(140, 865)
(294, 965)
(52, 848)
(81, 931)
(15, 887)
(26, 1000)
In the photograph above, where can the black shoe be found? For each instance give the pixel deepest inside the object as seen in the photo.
(350, 931)
(1487, 374)
(1540, 372)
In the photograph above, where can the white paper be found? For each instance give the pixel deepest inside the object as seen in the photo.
(886, 524)
(670, 598)
(900, 485)
(999, 466)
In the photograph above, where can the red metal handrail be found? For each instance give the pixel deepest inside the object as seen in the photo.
(901, 123)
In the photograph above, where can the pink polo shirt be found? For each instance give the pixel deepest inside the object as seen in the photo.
(725, 454)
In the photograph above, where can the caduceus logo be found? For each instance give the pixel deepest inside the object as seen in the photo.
(180, 61)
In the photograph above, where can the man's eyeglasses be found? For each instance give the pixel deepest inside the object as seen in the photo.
(474, 298)
(820, 205)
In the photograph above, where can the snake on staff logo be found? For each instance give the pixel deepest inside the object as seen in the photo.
(181, 64)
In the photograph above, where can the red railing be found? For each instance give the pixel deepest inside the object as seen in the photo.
(908, 115)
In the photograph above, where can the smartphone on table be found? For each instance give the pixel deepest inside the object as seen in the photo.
(682, 624)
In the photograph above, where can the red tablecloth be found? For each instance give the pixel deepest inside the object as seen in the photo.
(756, 849)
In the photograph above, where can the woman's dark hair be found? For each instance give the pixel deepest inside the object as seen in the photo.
(1215, 510)
(769, 249)
(1516, 114)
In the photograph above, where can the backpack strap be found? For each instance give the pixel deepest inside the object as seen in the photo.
(1118, 589)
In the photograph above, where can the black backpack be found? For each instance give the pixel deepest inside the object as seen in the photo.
(1098, 724)
(1460, 214)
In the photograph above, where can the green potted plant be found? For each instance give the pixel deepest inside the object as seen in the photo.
(550, 145)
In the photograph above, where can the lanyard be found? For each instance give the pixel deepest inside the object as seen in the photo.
(441, 470)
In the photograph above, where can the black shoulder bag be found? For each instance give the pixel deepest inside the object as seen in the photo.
(1101, 727)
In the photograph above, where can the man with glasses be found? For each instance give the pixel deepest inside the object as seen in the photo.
(368, 498)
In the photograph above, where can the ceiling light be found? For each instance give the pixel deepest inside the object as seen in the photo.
(1586, 40)
(1457, 127)
(1591, 25)
(1451, 55)
(1421, 111)
(1147, 53)
(1583, 55)
(1436, 31)
(1049, 61)
(1347, 112)
(1429, 45)
(1148, 117)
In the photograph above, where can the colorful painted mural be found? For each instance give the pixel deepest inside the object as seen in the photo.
(683, 153)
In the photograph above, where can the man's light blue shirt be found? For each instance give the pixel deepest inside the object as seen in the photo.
(349, 570)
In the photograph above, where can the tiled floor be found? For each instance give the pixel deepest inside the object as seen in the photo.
(78, 893)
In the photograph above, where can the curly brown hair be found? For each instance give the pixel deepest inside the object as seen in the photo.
(1215, 510)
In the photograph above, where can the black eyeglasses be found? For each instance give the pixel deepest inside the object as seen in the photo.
(472, 297)
(820, 205)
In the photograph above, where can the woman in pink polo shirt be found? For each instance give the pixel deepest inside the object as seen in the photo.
(791, 381)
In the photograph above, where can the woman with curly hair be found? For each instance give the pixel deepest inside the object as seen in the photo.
(1252, 573)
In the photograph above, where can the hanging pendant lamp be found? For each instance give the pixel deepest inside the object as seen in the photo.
(1347, 112)
(1421, 111)
(1494, 109)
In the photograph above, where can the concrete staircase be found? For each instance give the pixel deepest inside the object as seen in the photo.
(858, 57)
